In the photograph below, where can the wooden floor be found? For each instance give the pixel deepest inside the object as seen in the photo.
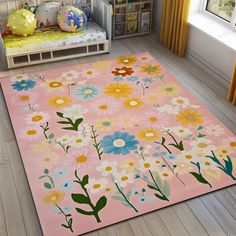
(213, 214)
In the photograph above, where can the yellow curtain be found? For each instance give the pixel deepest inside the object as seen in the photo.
(174, 25)
(232, 88)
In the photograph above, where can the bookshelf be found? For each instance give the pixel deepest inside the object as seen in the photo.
(131, 17)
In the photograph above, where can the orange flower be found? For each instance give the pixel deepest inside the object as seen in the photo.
(123, 71)
(189, 117)
(118, 90)
(126, 60)
(54, 197)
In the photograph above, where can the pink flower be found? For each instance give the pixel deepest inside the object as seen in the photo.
(155, 119)
(105, 106)
(24, 98)
(31, 133)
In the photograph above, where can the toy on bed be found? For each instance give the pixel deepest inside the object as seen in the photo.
(63, 31)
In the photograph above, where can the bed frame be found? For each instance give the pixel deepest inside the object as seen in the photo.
(101, 12)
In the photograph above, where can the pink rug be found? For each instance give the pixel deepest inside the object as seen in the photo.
(110, 140)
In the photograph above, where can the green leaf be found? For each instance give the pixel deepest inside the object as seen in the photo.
(164, 198)
(85, 180)
(60, 114)
(126, 204)
(46, 171)
(158, 181)
(201, 135)
(70, 222)
(51, 136)
(199, 177)
(80, 198)
(101, 203)
(118, 198)
(166, 189)
(152, 187)
(70, 128)
(83, 212)
(48, 185)
(43, 176)
(78, 122)
(228, 165)
(128, 194)
(63, 122)
(66, 226)
(200, 127)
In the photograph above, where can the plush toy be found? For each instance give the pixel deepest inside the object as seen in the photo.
(21, 22)
(46, 13)
(71, 19)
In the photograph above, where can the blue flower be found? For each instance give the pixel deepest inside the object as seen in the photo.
(170, 157)
(148, 80)
(23, 85)
(144, 199)
(119, 143)
(117, 78)
(66, 185)
(87, 92)
(133, 78)
(60, 172)
(156, 154)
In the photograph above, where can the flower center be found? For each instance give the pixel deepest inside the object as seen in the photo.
(124, 178)
(119, 143)
(224, 151)
(149, 134)
(96, 186)
(117, 90)
(125, 60)
(106, 123)
(103, 107)
(188, 157)
(23, 85)
(24, 97)
(146, 165)
(202, 145)
(207, 163)
(181, 130)
(191, 117)
(165, 174)
(88, 91)
(108, 168)
(232, 144)
(70, 75)
(81, 159)
(153, 119)
(180, 101)
(121, 71)
(31, 132)
(60, 101)
(89, 72)
(47, 159)
(131, 164)
(53, 198)
(37, 118)
(133, 103)
(79, 140)
(169, 89)
(55, 84)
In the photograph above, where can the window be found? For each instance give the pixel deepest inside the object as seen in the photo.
(221, 10)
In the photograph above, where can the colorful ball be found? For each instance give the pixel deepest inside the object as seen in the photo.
(21, 22)
(71, 19)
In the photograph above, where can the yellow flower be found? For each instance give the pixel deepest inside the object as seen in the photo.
(149, 134)
(126, 60)
(118, 90)
(129, 165)
(169, 89)
(54, 197)
(53, 85)
(133, 103)
(189, 117)
(60, 101)
(150, 69)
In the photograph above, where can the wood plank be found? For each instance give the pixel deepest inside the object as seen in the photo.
(155, 224)
(3, 228)
(24, 195)
(172, 222)
(139, 227)
(205, 217)
(190, 222)
(13, 215)
(221, 215)
(108, 231)
(123, 228)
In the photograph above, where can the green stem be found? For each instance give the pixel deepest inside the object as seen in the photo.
(159, 190)
(69, 226)
(45, 129)
(96, 144)
(163, 144)
(125, 198)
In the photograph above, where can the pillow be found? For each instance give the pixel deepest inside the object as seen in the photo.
(46, 13)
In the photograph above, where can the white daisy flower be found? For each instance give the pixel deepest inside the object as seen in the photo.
(215, 130)
(203, 146)
(85, 130)
(181, 131)
(37, 118)
(19, 77)
(96, 185)
(64, 140)
(107, 167)
(123, 178)
(188, 156)
(147, 164)
(78, 141)
(74, 112)
(169, 109)
(182, 102)
(70, 75)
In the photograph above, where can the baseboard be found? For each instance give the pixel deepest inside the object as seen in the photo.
(208, 68)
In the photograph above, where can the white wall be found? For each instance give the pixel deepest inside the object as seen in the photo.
(212, 55)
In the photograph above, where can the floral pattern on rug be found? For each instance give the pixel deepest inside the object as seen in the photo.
(114, 139)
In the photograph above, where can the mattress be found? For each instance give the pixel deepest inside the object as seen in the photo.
(52, 37)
